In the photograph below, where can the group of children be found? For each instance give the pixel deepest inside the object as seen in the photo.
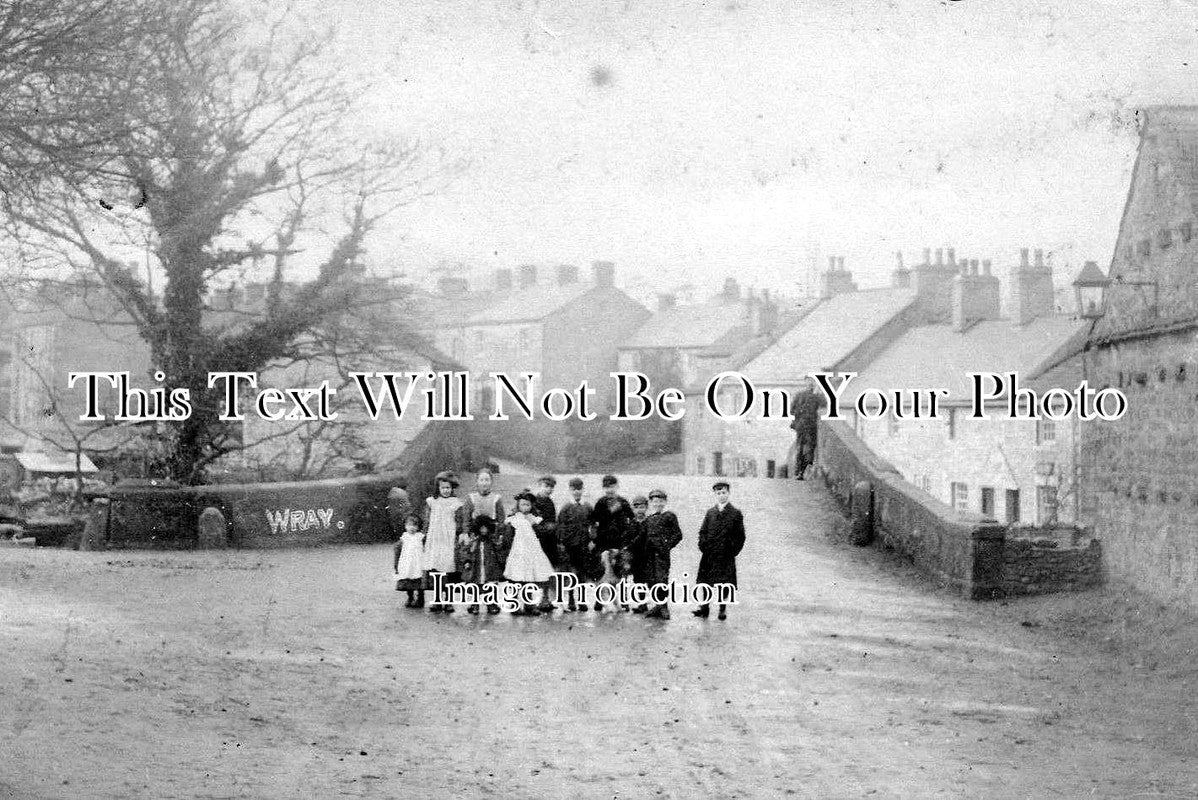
(471, 540)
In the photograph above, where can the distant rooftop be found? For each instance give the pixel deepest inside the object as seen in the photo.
(829, 333)
(937, 357)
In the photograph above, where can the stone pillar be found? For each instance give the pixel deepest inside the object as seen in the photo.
(214, 531)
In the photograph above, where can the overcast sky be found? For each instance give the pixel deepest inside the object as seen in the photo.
(744, 137)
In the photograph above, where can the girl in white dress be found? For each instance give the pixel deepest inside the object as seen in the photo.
(526, 562)
(409, 562)
(443, 525)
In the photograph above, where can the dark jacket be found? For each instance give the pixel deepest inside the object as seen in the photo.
(721, 538)
(574, 524)
(634, 543)
(662, 534)
(612, 518)
(546, 529)
(486, 549)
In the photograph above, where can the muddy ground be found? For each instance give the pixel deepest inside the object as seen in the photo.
(842, 673)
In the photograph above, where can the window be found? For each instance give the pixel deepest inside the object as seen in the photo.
(1145, 248)
(746, 468)
(1046, 431)
(1165, 238)
(717, 463)
(952, 423)
(959, 496)
(988, 501)
(1187, 231)
(1012, 505)
(1046, 504)
(770, 468)
(700, 465)
(784, 473)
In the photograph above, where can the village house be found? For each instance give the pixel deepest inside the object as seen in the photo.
(550, 322)
(845, 321)
(678, 343)
(47, 332)
(1021, 471)
(1140, 474)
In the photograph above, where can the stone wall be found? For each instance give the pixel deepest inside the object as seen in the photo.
(957, 548)
(301, 513)
(1140, 473)
(1036, 561)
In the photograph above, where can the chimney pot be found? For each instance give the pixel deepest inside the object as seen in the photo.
(952, 257)
(1023, 262)
(973, 267)
(986, 266)
(939, 257)
(831, 263)
(898, 255)
(1039, 258)
(840, 263)
(927, 256)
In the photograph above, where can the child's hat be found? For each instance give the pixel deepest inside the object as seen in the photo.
(610, 480)
(526, 495)
(447, 475)
(576, 483)
(640, 500)
(658, 493)
(548, 480)
(715, 487)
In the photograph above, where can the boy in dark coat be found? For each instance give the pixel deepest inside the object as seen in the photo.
(662, 534)
(721, 538)
(574, 533)
(634, 543)
(544, 507)
(612, 516)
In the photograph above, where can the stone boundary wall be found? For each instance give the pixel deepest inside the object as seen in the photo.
(959, 549)
(1036, 561)
(301, 513)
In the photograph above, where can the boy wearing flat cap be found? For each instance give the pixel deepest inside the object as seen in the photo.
(721, 538)
(574, 533)
(662, 534)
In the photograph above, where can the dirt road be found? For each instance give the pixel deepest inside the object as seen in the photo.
(841, 674)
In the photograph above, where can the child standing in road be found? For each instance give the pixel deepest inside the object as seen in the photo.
(409, 562)
(445, 523)
(526, 562)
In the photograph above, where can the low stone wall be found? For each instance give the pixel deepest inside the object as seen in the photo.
(301, 513)
(957, 548)
(1038, 561)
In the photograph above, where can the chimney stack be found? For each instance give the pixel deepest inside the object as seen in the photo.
(837, 280)
(1031, 289)
(975, 297)
(666, 301)
(503, 280)
(527, 275)
(605, 273)
(933, 285)
(731, 291)
(566, 274)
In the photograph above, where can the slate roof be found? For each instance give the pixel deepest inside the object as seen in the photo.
(830, 332)
(690, 326)
(937, 357)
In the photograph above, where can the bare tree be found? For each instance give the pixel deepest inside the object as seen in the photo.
(232, 157)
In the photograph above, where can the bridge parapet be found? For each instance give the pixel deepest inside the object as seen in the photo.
(958, 548)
